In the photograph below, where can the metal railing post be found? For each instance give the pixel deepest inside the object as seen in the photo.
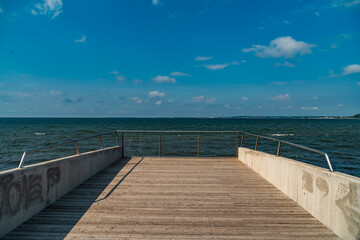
(256, 144)
(242, 139)
(117, 139)
(77, 148)
(101, 145)
(328, 162)
(22, 160)
(198, 153)
(278, 149)
(122, 144)
(159, 145)
(237, 144)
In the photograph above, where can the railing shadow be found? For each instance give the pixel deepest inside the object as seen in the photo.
(58, 219)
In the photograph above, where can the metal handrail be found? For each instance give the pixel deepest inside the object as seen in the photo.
(168, 131)
(237, 135)
(65, 143)
(288, 143)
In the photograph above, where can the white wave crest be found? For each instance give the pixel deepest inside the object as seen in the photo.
(39, 133)
(281, 134)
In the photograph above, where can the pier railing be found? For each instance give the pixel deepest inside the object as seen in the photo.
(161, 133)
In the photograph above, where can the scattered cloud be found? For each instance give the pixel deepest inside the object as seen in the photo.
(216, 66)
(19, 94)
(82, 39)
(170, 101)
(245, 99)
(237, 63)
(114, 72)
(55, 93)
(332, 74)
(340, 105)
(310, 108)
(48, 7)
(358, 83)
(287, 22)
(175, 74)
(285, 64)
(317, 14)
(345, 36)
(136, 99)
(281, 97)
(343, 3)
(138, 81)
(279, 83)
(201, 58)
(1, 10)
(153, 94)
(159, 102)
(199, 99)
(227, 106)
(282, 47)
(315, 97)
(162, 79)
(333, 46)
(351, 69)
(121, 78)
(156, 2)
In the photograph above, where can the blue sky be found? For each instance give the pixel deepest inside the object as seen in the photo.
(169, 58)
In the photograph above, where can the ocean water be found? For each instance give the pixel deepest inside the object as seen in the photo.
(340, 138)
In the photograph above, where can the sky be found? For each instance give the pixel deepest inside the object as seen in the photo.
(179, 58)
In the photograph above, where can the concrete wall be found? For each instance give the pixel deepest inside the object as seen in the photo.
(331, 197)
(26, 191)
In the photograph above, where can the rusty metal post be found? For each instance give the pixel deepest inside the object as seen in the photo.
(101, 145)
(117, 139)
(257, 140)
(278, 149)
(77, 148)
(242, 139)
(122, 144)
(198, 145)
(159, 145)
(237, 144)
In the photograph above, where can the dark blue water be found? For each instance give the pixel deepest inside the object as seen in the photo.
(340, 138)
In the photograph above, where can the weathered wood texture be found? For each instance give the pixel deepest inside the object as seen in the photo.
(174, 198)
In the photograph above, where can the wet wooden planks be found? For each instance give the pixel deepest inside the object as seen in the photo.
(174, 198)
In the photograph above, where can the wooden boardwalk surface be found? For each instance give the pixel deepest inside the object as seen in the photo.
(174, 198)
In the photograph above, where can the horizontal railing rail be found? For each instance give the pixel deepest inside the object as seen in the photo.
(168, 132)
(69, 142)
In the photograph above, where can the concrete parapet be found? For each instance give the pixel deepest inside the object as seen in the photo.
(28, 190)
(331, 197)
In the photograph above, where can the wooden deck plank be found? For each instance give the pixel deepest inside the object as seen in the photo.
(174, 198)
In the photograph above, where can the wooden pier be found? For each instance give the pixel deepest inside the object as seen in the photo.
(174, 198)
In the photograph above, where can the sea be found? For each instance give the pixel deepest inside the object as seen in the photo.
(339, 138)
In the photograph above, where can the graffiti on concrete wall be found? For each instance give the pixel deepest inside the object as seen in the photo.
(23, 192)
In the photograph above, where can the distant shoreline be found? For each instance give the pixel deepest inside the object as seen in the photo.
(224, 117)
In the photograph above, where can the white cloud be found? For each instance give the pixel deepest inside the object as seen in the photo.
(227, 106)
(158, 102)
(138, 81)
(114, 72)
(340, 105)
(282, 47)
(51, 7)
(216, 66)
(82, 39)
(161, 79)
(317, 14)
(1, 10)
(286, 22)
(198, 99)
(200, 58)
(332, 74)
(343, 3)
(350, 69)
(285, 64)
(358, 83)
(19, 94)
(170, 101)
(55, 93)
(279, 83)
(245, 99)
(121, 78)
(156, 2)
(153, 94)
(310, 108)
(137, 100)
(178, 74)
(315, 97)
(282, 97)
(209, 100)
